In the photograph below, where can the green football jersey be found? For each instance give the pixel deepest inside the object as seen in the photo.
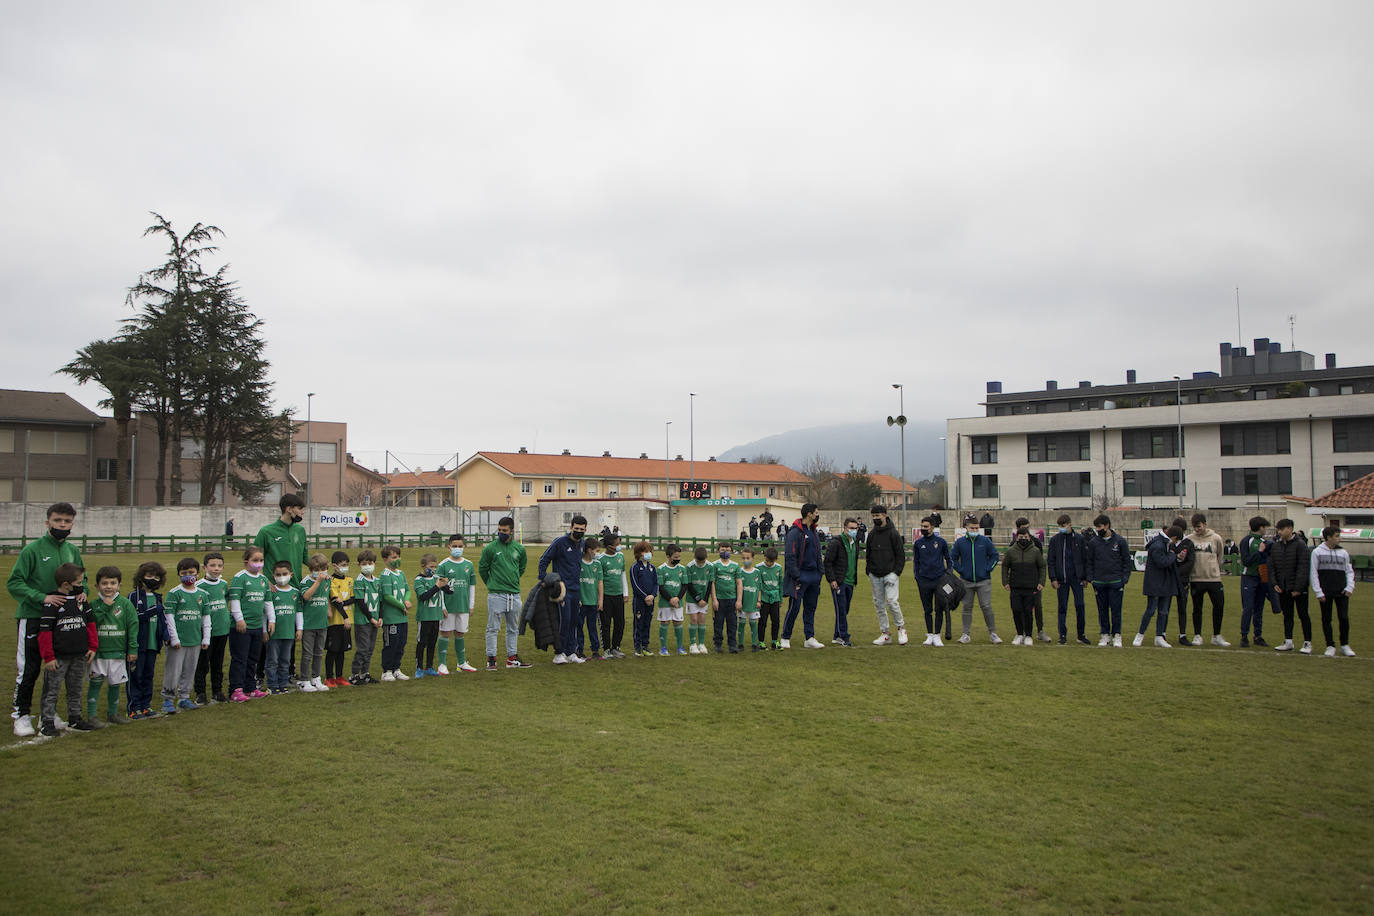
(588, 581)
(370, 591)
(116, 626)
(218, 605)
(285, 603)
(671, 581)
(462, 578)
(249, 591)
(315, 609)
(187, 613)
(699, 579)
(726, 579)
(431, 608)
(613, 572)
(749, 601)
(394, 592)
(770, 583)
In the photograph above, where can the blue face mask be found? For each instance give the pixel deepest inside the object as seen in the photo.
(503, 537)
(725, 554)
(1063, 529)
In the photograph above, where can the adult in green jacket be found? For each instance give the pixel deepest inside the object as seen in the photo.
(31, 583)
(501, 565)
(284, 539)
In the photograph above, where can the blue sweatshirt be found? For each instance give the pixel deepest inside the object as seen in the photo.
(802, 554)
(565, 556)
(1065, 557)
(643, 581)
(973, 558)
(932, 557)
(1108, 559)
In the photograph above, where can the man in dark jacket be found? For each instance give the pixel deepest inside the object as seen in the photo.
(1066, 568)
(1023, 574)
(884, 560)
(842, 572)
(1184, 551)
(1255, 589)
(986, 522)
(973, 557)
(1109, 565)
(565, 556)
(930, 563)
(1161, 583)
(1289, 571)
(802, 576)
(753, 528)
(766, 525)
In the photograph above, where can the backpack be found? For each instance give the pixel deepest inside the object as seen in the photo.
(949, 592)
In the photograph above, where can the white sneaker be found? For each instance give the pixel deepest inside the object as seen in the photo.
(1139, 638)
(1016, 640)
(1104, 640)
(837, 641)
(23, 727)
(560, 659)
(443, 669)
(576, 660)
(1285, 646)
(938, 642)
(399, 676)
(882, 640)
(1116, 641)
(1162, 643)
(1306, 648)
(1027, 640)
(59, 724)
(901, 636)
(930, 640)
(1197, 640)
(785, 643)
(388, 677)
(463, 667)
(995, 640)
(814, 643)
(1347, 651)
(320, 686)
(965, 639)
(1044, 637)
(1219, 641)
(306, 686)
(1330, 652)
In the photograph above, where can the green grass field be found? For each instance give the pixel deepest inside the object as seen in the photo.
(969, 778)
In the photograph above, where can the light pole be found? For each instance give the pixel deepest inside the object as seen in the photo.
(667, 477)
(944, 467)
(900, 422)
(309, 496)
(1178, 443)
(692, 436)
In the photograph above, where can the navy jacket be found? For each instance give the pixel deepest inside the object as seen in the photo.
(1066, 559)
(1161, 569)
(643, 582)
(931, 558)
(973, 562)
(1107, 559)
(149, 605)
(565, 556)
(802, 554)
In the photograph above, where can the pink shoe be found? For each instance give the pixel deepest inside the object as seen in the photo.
(257, 694)
(238, 696)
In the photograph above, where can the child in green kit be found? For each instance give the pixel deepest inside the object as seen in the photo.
(672, 582)
(613, 587)
(429, 611)
(395, 599)
(770, 594)
(590, 595)
(284, 619)
(314, 623)
(749, 599)
(725, 597)
(188, 621)
(363, 619)
(116, 624)
(459, 596)
(211, 661)
(700, 575)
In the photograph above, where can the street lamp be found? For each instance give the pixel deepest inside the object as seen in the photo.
(944, 467)
(1178, 442)
(692, 436)
(667, 477)
(900, 422)
(309, 495)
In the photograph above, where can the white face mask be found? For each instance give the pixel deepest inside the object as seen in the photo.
(343, 570)
(284, 580)
(455, 552)
(366, 569)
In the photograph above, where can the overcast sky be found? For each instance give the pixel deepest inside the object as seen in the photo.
(481, 226)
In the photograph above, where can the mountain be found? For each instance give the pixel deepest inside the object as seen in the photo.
(872, 444)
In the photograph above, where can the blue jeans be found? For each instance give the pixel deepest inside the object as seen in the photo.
(1254, 592)
(1158, 608)
(1076, 588)
(802, 599)
(842, 596)
(278, 661)
(1109, 597)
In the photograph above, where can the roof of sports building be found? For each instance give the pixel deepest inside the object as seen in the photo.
(1358, 494)
(530, 464)
(52, 408)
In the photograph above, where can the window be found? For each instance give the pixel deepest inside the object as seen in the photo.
(1256, 481)
(758, 491)
(633, 488)
(1348, 472)
(190, 493)
(57, 442)
(593, 489)
(526, 487)
(567, 518)
(613, 491)
(1255, 439)
(52, 491)
(193, 448)
(1150, 483)
(772, 492)
(984, 486)
(570, 489)
(1150, 442)
(6, 443)
(107, 469)
(6, 490)
(653, 489)
(1355, 434)
(548, 488)
(1261, 394)
(1058, 447)
(1346, 389)
(739, 492)
(1041, 486)
(320, 452)
(984, 449)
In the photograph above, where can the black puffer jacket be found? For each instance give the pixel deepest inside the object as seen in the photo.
(884, 552)
(540, 612)
(1023, 568)
(1288, 564)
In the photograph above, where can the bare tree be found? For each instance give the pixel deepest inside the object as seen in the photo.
(1110, 495)
(763, 458)
(823, 488)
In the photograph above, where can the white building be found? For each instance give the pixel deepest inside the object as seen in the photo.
(1269, 424)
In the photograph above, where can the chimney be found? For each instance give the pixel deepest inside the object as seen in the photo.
(605, 454)
(644, 454)
(712, 458)
(1130, 376)
(1085, 384)
(566, 452)
(994, 387)
(1331, 360)
(523, 451)
(1275, 347)
(744, 461)
(1051, 385)
(678, 458)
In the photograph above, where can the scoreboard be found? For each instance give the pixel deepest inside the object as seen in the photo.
(697, 489)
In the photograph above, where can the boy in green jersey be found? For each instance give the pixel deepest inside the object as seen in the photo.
(459, 596)
(672, 582)
(188, 621)
(395, 595)
(770, 594)
(211, 661)
(429, 610)
(749, 599)
(699, 577)
(613, 589)
(248, 599)
(314, 623)
(284, 618)
(116, 625)
(362, 620)
(725, 597)
(590, 595)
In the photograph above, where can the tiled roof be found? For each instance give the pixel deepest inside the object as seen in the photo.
(424, 480)
(1358, 494)
(887, 482)
(534, 465)
(51, 407)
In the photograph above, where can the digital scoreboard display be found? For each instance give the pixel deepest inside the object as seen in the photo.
(698, 489)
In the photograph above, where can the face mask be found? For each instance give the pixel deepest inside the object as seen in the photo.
(1103, 532)
(151, 584)
(343, 570)
(502, 536)
(852, 532)
(972, 532)
(575, 535)
(427, 572)
(290, 520)
(455, 552)
(877, 523)
(926, 532)
(1024, 542)
(366, 569)
(254, 566)
(1063, 529)
(394, 563)
(188, 579)
(59, 534)
(672, 561)
(284, 580)
(725, 554)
